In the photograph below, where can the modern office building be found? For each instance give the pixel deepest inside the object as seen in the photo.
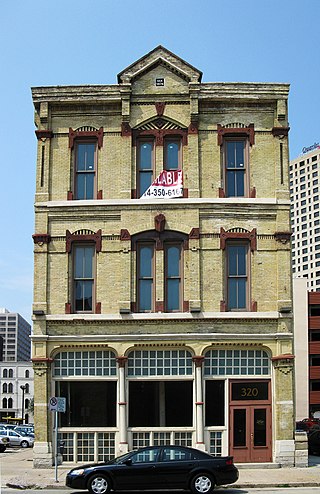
(16, 392)
(305, 215)
(15, 332)
(162, 285)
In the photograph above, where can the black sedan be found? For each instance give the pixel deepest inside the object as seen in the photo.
(156, 467)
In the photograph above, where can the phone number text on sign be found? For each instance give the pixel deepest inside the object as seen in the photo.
(161, 192)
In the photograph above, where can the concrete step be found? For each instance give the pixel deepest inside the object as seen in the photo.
(258, 465)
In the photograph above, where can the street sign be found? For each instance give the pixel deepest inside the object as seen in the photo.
(57, 404)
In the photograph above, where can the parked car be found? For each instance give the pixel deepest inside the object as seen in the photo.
(306, 424)
(156, 467)
(24, 429)
(4, 442)
(314, 440)
(16, 439)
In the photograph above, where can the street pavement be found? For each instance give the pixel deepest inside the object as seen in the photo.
(17, 472)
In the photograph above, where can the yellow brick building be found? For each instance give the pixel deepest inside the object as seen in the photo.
(164, 318)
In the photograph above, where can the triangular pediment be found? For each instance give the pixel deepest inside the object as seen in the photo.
(160, 56)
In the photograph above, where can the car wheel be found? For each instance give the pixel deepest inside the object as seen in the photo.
(2, 448)
(202, 484)
(98, 484)
(24, 444)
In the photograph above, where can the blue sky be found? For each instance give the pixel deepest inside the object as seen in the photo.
(81, 42)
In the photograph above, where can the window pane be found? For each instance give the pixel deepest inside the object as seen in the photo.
(173, 261)
(145, 180)
(239, 151)
(145, 157)
(85, 156)
(145, 295)
(173, 294)
(83, 262)
(81, 186)
(237, 260)
(237, 293)
(172, 155)
(83, 295)
(145, 261)
(239, 183)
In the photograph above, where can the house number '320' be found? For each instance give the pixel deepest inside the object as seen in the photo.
(249, 392)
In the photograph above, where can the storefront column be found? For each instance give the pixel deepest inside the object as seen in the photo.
(123, 442)
(198, 360)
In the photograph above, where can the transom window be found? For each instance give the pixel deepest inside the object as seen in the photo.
(85, 167)
(160, 363)
(83, 363)
(236, 363)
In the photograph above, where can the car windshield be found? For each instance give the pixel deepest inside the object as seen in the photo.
(119, 459)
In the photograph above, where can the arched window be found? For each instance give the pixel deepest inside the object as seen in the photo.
(5, 372)
(27, 374)
(27, 388)
(4, 388)
(10, 403)
(26, 403)
(4, 403)
(10, 388)
(10, 373)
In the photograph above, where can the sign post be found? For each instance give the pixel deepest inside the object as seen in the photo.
(56, 404)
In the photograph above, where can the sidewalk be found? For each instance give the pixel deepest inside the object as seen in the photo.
(17, 472)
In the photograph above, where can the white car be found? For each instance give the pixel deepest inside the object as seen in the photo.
(17, 439)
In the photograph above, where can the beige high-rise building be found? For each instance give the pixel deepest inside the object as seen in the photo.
(305, 215)
(162, 285)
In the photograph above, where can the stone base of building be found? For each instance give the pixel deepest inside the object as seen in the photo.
(301, 449)
(43, 455)
(285, 453)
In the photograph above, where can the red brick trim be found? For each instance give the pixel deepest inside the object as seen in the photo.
(280, 131)
(186, 306)
(41, 238)
(223, 306)
(254, 306)
(133, 193)
(251, 236)
(159, 306)
(69, 195)
(160, 134)
(193, 128)
(121, 361)
(185, 193)
(284, 356)
(159, 222)
(124, 234)
(99, 194)
(98, 308)
(160, 107)
(282, 237)
(198, 360)
(235, 132)
(92, 237)
(253, 193)
(221, 192)
(44, 134)
(194, 234)
(67, 308)
(82, 134)
(42, 359)
(126, 130)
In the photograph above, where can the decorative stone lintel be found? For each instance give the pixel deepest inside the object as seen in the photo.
(95, 134)
(90, 237)
(250, 236)
(159, 222)
(41, 238)
(194, 234)
(160, 108)
(41, 365)
(235, 132)
(126, 130)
